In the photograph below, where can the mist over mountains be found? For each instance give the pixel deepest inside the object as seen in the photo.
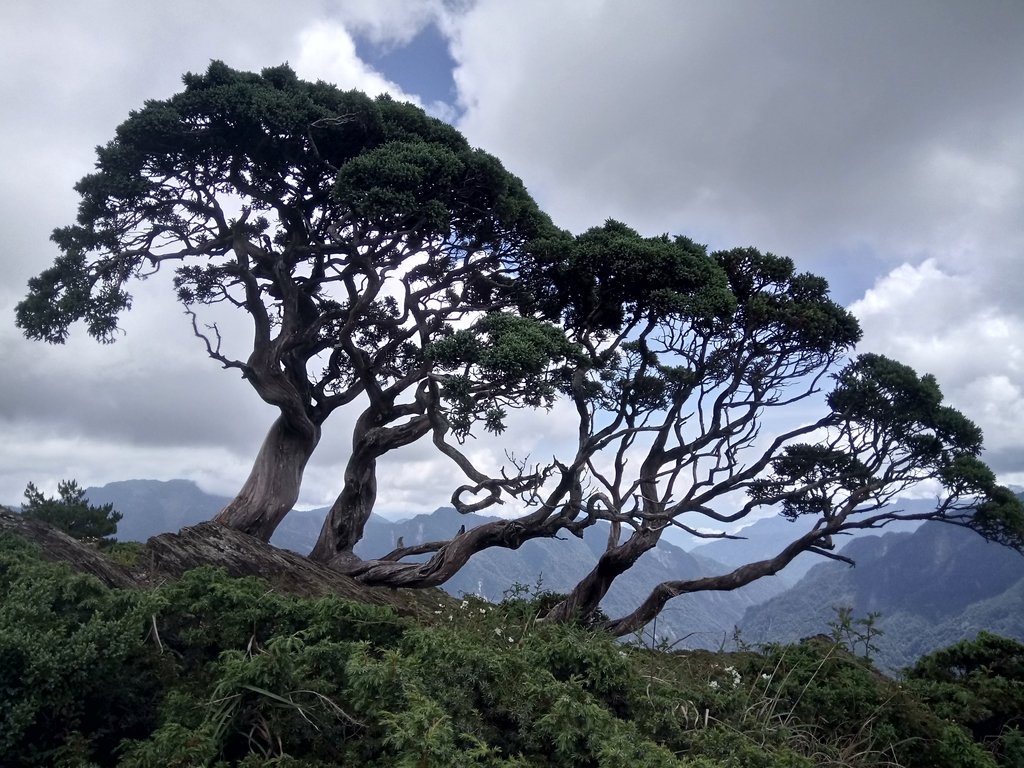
(932, 586)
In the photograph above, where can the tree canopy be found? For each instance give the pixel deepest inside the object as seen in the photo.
(387, 266)
(355, 233)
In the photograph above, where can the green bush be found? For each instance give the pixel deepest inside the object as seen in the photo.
(214, 671)
(76, 675)
(978, 684)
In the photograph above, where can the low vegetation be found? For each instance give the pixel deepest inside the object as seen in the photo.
(217, 671)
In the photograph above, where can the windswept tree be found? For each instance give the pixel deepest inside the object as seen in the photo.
(385, 264)
(503, 361)
(606, 289)
(687, 367)
(677, 404)
(354, 233)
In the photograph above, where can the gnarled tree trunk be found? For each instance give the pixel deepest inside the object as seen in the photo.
(451, 555)
(739, 577)
(272, 488)
(344, 525)
(582, 602)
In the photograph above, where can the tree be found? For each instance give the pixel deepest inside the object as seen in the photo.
(684, 358)
(386, 265)
(355, 233)
(672, 426)
(71, 512)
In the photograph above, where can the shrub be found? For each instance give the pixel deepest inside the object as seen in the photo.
(211, 670)
(71, 512)
(76, 676)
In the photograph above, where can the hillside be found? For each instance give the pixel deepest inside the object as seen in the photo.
(931, 587)
(202, 668)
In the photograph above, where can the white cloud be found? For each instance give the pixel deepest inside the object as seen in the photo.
(391, 22)
(327, 52)
(798, 129)
(941, 323)
(854, 137)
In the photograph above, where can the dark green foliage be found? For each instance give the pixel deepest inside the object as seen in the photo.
(76, 674)
(308, 162)
(874, 389)
(225, 672)
(824, 694)
(887, 422)
(999, 517)
(503, 361)
(352, 232)
(71, 512)
(610, 274)
(822, 469)
(979, 684)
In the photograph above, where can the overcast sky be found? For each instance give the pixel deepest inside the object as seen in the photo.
(880, 144)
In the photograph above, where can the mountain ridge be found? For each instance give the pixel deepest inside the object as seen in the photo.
(704, 619)
(930, 587)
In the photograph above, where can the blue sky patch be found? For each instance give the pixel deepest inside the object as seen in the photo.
(422, 67)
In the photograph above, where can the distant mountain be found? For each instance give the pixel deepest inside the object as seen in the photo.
(150, 507)
(705, 620)
(770, 535)
(764, 538)
(932, 587)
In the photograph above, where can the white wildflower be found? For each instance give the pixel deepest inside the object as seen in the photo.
(736, 678)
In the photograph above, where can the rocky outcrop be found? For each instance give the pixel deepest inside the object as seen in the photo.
(169, 555)
(57, 546)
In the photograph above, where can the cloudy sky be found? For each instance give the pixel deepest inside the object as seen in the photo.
(879, 144)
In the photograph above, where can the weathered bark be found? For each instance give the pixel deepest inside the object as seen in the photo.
(582, 602)
(347, 518)
(735, 579)
(272, 488)
(451, 555)
(57, 546)
(171, 554)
